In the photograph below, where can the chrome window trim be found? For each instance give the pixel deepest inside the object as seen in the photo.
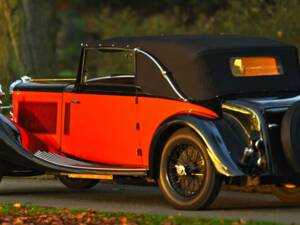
(81, 80)
(164, 73)
(110, 77)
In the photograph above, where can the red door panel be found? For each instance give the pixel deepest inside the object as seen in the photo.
(101, 128)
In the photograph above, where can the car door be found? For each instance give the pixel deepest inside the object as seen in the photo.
(100, 115)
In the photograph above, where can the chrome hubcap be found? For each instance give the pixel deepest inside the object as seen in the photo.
(180, 169)
(186, 169)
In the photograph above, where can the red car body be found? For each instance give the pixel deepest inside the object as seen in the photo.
(190, 112)
(53, 122)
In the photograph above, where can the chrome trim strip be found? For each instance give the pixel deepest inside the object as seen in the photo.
(26, 79)
(5, 107)
(23, 79)
(277, 101)
(273, 125)
(277, 110)
(164, 73)
(46, 80)
(76, 164)
(242, 108)
(160, 67)
(110, 77)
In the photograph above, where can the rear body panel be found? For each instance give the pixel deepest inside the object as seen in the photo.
(153, 112)
(39, 115)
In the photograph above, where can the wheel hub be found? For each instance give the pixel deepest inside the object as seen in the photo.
(180, 169)
(186, 170)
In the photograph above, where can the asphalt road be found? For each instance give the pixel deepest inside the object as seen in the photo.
(144, 199)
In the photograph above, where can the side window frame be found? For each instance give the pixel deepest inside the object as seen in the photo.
(80, 83)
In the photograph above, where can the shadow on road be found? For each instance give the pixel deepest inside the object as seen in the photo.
(137, 195)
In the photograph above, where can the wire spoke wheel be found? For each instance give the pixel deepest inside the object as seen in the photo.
(186, 169)
(188, 178)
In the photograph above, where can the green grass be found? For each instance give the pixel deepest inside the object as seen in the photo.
(35, 215)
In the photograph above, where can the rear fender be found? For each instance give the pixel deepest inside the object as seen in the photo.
(211, 136)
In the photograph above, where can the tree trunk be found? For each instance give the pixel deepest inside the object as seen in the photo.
(39, 36)
(29, 29)
(9, 51)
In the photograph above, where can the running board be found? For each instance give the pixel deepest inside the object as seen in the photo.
(66, 162)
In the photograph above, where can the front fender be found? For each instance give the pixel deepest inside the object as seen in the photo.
(11, 149)
(206, 129)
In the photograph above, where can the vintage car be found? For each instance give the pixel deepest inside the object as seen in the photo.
(190, 112)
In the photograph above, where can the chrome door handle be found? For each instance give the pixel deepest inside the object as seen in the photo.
(75, 101)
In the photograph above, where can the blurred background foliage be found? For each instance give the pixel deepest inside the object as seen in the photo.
(42, 37)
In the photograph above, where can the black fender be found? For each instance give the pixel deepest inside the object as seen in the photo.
(11, 150)
(208, 131)
(11, 163)
(7, 124)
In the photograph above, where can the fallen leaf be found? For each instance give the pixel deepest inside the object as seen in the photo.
(17, 221)
(242, 221)
(123, 220)
(17, 205)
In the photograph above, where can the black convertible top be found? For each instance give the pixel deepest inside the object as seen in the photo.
(200, 65)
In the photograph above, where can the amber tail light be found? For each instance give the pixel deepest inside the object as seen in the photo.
(255, 66)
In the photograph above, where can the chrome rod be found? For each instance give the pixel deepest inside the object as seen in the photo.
(52, 80)
(5, 107)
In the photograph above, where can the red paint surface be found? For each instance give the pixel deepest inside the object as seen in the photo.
(32, 113)
(31, 116)
(102, 128)
(153, 112)
(99, 128)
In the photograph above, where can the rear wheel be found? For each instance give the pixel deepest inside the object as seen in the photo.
(76, 183)
(287, 194)
(188, 178)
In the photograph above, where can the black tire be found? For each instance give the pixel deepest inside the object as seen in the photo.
(77, 183)
(289, 195)
(199, 187)
(290, 133)
(2, 170)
